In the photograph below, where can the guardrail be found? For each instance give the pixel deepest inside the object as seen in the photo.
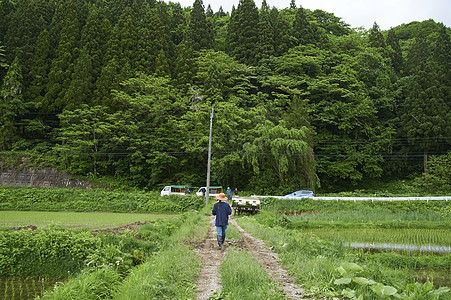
(372, 199)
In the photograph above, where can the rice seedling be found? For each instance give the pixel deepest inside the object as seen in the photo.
(417, 237)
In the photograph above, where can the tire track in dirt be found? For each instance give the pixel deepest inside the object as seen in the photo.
(209, 279)
(269, 261)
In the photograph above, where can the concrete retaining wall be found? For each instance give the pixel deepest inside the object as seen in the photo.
(45, 177)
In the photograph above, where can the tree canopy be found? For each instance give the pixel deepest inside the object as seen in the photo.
(301, 100)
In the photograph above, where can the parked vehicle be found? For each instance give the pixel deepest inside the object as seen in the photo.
(174, 190)
(300, 194)
(294, 195)
(213, 192)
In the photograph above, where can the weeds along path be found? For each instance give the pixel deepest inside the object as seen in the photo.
(209, 279)
(269, 261)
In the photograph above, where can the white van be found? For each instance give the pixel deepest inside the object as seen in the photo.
(175, 190)
(213, 192)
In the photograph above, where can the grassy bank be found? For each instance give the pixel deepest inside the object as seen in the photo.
(59, 199)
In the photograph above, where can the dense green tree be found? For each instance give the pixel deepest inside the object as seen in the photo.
(39, 70)
(62, 67)
(25, 25)
(395, 52)
(362, 108)
(221, 12)
(243, 32)
(160, 46)
(12, 106)
(94, 38)
(153, 107)
(330, 23)
(376, 39)
(302, 29)
(265, 38)
(184, 71)
(281, 32)
(209, 12)
(425, 114)
(80, 90)
(282, 154)
(178, 24)
(199, 31)
(85, 134)
(109, 79)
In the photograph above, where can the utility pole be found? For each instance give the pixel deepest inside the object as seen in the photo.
(207, 192)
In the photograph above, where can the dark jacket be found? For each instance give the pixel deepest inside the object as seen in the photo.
(222, 213)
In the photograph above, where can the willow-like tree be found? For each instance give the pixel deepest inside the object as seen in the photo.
(281, 154)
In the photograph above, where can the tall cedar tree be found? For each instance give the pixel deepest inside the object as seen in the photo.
(302, 30)
(243, 32)
(426, 116)
(68, 29)
(376, 38)
(266, 41)
(199, 31)
(395, 51)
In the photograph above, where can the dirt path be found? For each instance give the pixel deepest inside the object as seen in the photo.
(209, 279)
(269, 261)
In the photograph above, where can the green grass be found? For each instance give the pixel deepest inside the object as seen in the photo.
(243, 278)
(75, 219)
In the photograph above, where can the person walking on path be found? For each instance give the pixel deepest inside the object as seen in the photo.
(229, 194)
(236, 192)
(221, 210)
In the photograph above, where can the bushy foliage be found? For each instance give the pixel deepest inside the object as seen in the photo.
(52, 250)
(94, 200)
(56, 251)
(438, 176)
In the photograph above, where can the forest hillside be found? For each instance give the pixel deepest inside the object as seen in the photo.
(298, 98)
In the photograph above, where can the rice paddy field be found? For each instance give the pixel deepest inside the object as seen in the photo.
(94, 220)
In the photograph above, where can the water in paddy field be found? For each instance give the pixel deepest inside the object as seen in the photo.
(24, 288)
(385, 246)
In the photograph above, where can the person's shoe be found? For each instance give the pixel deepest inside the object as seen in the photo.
(219, 237)
(223, 239)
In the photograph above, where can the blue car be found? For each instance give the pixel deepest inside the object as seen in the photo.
(300, 194)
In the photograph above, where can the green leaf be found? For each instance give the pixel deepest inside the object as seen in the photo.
(348, 293)
(384, 290)
(344, 280)
(342, 271)
(351, 268)
(363, 281)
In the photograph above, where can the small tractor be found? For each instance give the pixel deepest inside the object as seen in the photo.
(240, 204)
